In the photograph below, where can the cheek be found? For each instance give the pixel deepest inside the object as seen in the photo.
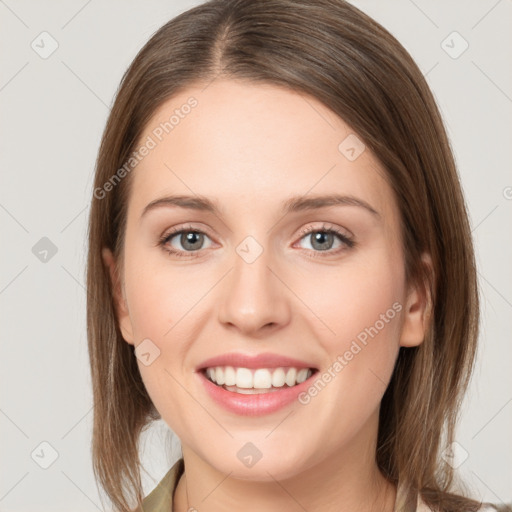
(360, 306)
(165, 304)
(158, 295)
(363, 306)
(161, 308)
(352, 296)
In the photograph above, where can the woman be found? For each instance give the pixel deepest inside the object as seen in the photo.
(280, 267)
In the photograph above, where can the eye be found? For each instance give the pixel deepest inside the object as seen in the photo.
(184, 242)
(187, 241)
(324, 238)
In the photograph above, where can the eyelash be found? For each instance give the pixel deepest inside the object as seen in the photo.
(168, 236)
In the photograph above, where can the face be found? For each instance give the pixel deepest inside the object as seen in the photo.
(256, 270)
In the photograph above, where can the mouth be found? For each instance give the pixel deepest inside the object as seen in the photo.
(253, 381)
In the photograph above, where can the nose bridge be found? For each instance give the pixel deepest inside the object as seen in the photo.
(253, 297)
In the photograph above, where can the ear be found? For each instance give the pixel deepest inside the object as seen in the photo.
(121, 307)
(417, 309)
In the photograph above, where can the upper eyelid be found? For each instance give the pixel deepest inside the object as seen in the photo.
(172, 232)
(326, 226)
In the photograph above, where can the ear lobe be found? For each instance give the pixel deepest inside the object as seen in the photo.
(121, 308)
(418, 308)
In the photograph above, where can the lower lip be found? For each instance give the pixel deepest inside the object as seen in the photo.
(257, 404)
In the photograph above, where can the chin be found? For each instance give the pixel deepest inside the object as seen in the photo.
(265, 469)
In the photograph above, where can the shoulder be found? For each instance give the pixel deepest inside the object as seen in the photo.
(161, 497)
(493, 507)
(484, 507)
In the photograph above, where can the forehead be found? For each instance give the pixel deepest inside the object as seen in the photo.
(252, 146)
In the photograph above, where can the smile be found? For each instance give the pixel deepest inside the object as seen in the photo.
(255, 394)
(256, 381)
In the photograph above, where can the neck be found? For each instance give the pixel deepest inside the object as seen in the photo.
(347, 480)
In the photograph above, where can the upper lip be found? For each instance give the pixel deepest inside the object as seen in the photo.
(265, 360)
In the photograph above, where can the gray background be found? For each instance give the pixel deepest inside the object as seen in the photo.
(53, 111)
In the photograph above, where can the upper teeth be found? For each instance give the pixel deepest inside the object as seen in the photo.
(260, 378)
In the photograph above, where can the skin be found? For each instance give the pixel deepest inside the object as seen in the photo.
(251, 147)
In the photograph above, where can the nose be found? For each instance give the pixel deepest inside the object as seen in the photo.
(254, 299)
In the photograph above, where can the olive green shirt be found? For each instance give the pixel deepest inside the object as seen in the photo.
(160, 499)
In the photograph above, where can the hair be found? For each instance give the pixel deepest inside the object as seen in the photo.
(332, 51)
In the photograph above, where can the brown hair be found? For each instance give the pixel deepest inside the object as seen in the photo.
(332, 51)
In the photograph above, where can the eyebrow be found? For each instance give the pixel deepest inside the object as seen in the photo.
(293, 204)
